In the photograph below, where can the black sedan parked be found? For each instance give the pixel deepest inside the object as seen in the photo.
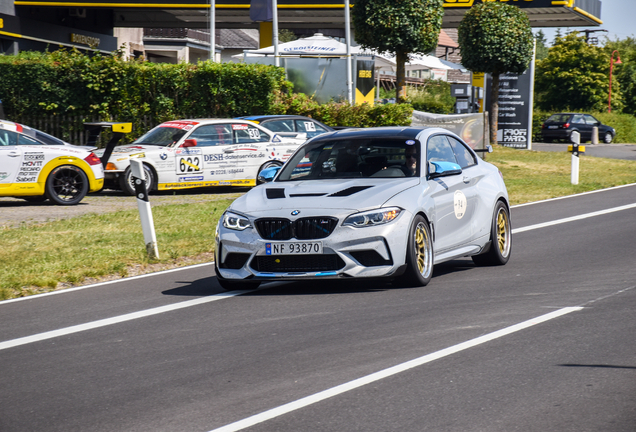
(286, 125)
(561, 126)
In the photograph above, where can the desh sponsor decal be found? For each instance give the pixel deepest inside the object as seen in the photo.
(213, 158)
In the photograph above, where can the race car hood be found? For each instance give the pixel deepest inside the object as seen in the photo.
(337, 194)
(130, 149)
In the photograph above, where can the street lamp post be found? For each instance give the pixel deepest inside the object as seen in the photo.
(618, 61)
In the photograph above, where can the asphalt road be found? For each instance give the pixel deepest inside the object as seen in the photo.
(611, 151)
(545, 343)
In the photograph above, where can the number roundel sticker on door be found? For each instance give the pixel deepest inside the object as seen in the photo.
(189, 161)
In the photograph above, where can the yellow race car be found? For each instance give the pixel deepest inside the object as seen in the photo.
(37, 166)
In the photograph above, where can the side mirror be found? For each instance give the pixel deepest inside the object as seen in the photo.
(189, 143)
(443, 169)
(489, 148)
(268, 174)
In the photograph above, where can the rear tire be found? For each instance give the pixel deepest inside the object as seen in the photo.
(126, 184)
(500, 239)
(419, 254)
(66, 185)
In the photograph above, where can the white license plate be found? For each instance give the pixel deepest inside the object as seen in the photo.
(553, 127)
(293, 248)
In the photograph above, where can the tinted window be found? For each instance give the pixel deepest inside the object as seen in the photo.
(162, 136)
(591, 120)
(464, 156)
(212, 135)
(578, 119)
(25, 140)
(440, 150)
(381, 158)
(245, 134)
(558, 118)
(310, 127)
(8, 138)
(280, 125)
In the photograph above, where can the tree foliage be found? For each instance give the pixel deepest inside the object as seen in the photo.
(400, 27)
(495, 38)
(575, 76)
(625, 73)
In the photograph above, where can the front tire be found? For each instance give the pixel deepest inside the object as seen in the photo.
(233, 285)
(66, 185)
(126, 183)
(500, 238)
(419, 254)
(607, 138)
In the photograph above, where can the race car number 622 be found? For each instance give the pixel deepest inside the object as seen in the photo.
(190, 165)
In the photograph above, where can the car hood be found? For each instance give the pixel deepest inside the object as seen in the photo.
(337, 194)
(130, 149)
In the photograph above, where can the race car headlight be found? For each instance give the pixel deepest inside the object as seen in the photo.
(235, 221)
(373, 217)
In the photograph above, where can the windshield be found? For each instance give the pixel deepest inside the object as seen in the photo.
(558, 118)
(161, 136)
(364, 158)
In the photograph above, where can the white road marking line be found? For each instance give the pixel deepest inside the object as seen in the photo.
(68, 290)
(351, 385)
(115, 320)
(573, 218)
(573, 196)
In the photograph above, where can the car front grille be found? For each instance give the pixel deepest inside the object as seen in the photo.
(309, 228)
(297, 263)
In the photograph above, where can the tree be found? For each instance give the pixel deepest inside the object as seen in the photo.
(400, 27)
(495, 38)
(575, 76)
(542, 46)
(625, 73)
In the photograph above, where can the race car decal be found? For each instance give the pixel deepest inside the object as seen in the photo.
(185, 185)
(239, 127)
(189, 165)
(183, 125)
(4, 175)
(188, 151)
(460, 204)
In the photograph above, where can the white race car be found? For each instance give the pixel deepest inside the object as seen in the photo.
(369, 203)
(184, 154)
(37, 166)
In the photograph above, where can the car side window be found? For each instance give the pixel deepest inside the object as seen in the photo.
(439, 150)
(245, 134)
(578, 119)
(212, 135)
(280, 125)
(312, 129)
(591, 120)
(8, 138)
(25, 140)
(464, 156)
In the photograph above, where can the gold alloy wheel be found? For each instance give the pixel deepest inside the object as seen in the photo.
(503, 232)
(423, 250)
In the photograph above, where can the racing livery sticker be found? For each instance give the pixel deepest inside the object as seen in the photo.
(460, 204)
(184, 125)
(189, 165)
(240, 127)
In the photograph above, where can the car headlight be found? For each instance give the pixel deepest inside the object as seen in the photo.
(373, 217)
(235, 221)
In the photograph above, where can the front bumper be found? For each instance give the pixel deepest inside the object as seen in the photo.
(368, 252)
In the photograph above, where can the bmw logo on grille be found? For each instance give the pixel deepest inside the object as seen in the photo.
(295, 212)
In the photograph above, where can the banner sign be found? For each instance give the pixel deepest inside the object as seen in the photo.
(469, 127)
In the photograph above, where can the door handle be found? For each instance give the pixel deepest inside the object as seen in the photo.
(14, 154)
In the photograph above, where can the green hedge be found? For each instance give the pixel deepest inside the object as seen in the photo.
(68, 84)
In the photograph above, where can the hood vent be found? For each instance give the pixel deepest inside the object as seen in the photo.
(275, 193)
(349, 191)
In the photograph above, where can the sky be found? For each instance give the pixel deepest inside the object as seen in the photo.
(618, 20)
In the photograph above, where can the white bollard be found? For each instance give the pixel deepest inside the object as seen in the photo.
(595, 135)
(143, 204)
(576, 140)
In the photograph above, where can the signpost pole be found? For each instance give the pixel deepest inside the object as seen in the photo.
(143, 204)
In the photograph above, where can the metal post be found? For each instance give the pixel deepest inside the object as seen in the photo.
(275, 32)
(212, 30)
(143, 204)
(348, 42)
(576, 140)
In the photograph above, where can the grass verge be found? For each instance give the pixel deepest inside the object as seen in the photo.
(59, 254)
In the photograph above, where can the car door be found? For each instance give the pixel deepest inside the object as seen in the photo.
(453, 198)
(213, 150)
(10, 158)
(578, 122)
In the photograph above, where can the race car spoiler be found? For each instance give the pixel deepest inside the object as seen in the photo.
(118, 129)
